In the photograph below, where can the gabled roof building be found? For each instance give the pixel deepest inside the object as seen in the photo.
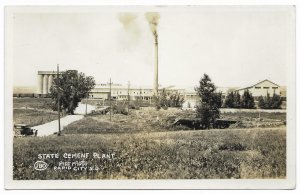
(261, 89)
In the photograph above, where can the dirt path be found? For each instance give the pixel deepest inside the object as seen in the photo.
(52, 127)
(80, 110)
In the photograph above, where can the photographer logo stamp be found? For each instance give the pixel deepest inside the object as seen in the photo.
(40, 165)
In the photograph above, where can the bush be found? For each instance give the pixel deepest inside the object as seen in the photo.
(233, 146)
(119, 109)
(168, 99)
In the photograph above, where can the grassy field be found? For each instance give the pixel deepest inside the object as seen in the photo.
(33, 117)
(251, 115)
(152, 120)
(32, 103)
(134, 103)
(209, 154)
(32, 111)
(147, 146)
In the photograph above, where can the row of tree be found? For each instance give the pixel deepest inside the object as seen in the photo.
(235, 100)
(209, 95)
(210, 101)
(268, 102)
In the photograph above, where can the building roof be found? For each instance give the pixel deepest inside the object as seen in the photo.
(244, 88)
(225, 90)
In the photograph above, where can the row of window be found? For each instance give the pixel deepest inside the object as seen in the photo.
(142, 97)
(266, 87)
(125, 92)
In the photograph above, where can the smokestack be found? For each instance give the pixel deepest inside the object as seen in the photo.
(153, 18)
(156, 67)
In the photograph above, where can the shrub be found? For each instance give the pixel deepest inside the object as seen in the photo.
(119, 109)
(168, 99)
(233, 147)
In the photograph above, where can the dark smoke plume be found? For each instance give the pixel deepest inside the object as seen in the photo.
(152, 18)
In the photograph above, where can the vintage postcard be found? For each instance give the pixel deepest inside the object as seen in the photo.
(140, 97)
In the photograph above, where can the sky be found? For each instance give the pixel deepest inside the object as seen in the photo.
(236, 46)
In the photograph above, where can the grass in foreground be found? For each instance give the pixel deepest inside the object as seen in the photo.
(32, 117)
(163, 120)
(211, 154)
(34, 103)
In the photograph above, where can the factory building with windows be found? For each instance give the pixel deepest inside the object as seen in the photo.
(262, 89)
(121, 92)
(102, 91)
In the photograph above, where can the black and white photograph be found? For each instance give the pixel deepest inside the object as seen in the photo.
(150, 93)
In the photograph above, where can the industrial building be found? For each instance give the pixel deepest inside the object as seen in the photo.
(102, 91)
(121, 92)
(261, 88)
(45, 80)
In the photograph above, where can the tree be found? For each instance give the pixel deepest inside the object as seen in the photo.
(268, 102)
(218, 99)
(72, 87)
(163, 98)
(261, 102)
(276, 101)
(229, 100)
(247, 100)
(237, 100)
(208, 109)
(234, 100)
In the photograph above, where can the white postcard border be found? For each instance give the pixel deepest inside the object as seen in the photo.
(288, 183)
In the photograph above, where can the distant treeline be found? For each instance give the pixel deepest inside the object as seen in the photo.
(235, 100)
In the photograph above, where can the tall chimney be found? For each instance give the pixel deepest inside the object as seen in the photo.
(153, 18)
(155, 92)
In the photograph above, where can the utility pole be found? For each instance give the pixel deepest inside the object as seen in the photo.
(140, 97)
(110, 110)
(86, 101)
(128, 96)
(58, 100)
